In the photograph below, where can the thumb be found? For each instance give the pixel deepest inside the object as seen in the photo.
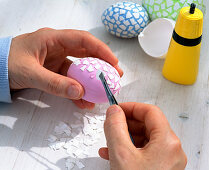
(58, 85)
(116, 129)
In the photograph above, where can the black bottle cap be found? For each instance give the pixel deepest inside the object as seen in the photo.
(192, 8)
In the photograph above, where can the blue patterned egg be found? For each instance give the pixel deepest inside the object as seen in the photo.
(125, 19)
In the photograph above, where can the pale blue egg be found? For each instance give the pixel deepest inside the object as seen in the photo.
(125, 19)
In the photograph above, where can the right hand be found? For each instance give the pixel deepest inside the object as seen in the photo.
(156, 145)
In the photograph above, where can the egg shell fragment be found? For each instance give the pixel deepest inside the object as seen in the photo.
(84, 71)
(155, 38)
(125, 19)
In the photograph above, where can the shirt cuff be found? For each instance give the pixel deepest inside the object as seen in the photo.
(5, 95)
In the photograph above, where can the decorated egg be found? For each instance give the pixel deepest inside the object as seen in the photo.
(85, 71)
(125, 19)
(168, 8)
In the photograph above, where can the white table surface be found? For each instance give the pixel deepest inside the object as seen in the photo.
(25, 124)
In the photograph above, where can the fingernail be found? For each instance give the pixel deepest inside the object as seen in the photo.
(112, 109)
(120, 70)
(74, 92)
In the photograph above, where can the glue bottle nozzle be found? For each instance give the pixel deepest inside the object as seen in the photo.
(192, 8)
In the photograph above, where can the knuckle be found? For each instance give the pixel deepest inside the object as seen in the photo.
(177, 154)
(44, 29)
(86, 33)
(43, 33)
(175, 145)
(154, 108)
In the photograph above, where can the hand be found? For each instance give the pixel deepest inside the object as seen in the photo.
(156, 145)
(38, 60)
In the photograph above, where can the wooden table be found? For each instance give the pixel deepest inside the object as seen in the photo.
(25, 124)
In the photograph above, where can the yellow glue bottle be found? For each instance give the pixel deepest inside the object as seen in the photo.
(182, 60)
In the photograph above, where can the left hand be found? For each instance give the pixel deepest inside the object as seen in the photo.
(38, 60)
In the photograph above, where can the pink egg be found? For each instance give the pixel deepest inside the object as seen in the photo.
(84, 71)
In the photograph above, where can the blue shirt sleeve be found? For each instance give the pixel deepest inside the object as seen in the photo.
(5, 95)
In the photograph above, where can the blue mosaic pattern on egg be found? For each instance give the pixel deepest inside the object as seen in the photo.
(125, 19)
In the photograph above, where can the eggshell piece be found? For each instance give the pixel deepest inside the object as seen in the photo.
(155, 38)
(84, 71)
(125, 19)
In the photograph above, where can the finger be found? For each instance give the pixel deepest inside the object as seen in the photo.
(152, 116)
(56, 84)
(120, 71)
(74, 39)
(103, 153)
(116, 129)
(82, 52)
(88, 105)
(77, 43)
(79, 103)
(65, 66)
(82, 104)
(87, 45)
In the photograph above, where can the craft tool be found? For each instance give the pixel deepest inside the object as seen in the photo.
(110, 96)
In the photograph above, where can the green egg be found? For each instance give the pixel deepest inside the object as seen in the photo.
(168, 8)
